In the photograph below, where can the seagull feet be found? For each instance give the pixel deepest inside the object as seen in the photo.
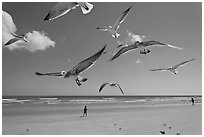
(145, 51)
(78, 83)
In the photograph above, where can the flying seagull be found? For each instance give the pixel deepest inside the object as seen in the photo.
(112, 85)
(173, 69)
(153, 43)
(16, 38)
(75, 71)
(113, 29)
(62, 8)
(137, 44)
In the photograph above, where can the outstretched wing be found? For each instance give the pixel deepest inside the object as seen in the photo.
(160, 69)
(12, 41)
(152, 43)
(60, 9)
(85, 7)
(102, 86)
(124, 50)
(87, 63)
(102, 28)
(120, 88)
(58, 74)
(183, 63)
(121, 18)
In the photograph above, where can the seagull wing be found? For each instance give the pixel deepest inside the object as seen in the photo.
(12, 41)
(102, 86)
(124, 50)
(85, 7)
(102, 28)
(121, 19)
(120, 88)
(60, 9)
(87, 63)
(183, 63)
(58, 74)
(160, 69)
(152, 43)
(18, 36)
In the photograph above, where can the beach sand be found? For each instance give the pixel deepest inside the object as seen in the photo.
(129, 119)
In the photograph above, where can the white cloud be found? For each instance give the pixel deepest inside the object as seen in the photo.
(37, 40)
(8, 27)
(131, 38)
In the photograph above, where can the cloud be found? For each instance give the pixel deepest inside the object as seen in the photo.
(131, 38)
(8, 27)
(37, 40)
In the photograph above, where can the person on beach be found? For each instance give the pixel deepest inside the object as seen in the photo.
(85, 111)
(192, 100)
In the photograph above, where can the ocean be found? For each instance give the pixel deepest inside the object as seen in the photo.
(33, 105)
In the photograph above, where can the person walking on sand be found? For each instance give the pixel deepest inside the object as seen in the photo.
(192, 100)
(85, 111)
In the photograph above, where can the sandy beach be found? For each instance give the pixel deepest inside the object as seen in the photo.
(126, 119)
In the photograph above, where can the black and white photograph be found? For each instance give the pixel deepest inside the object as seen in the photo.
(102, 68)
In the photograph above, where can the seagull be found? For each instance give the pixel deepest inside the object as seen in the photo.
(16, 38)
(113, 29)
(137, 44)
(62, 8)
(152, 43)
(75, 71)
(173, 69)
(112, 85)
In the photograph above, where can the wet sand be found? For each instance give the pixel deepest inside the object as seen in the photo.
(122, 120)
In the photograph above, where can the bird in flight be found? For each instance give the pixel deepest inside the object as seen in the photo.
(62, 8)
(173, 69)
(112, 85)
(78, 69)
(16, 38)
(113, 29)
(137, 44)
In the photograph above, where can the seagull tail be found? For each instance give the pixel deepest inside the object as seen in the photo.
(86, 10)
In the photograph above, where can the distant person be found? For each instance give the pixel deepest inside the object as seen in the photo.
(192, 100)
(85, 111)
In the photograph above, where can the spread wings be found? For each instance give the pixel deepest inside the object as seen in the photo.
(121, 18)
(124, 50)
(160, 69)
(60, 9)
(183, 63)
(58, 74)
(102, 86)
(87, 63)
(11, 41)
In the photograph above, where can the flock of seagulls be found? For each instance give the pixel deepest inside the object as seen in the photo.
(62, 8)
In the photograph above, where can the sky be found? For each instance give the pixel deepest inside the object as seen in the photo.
(62, 43)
